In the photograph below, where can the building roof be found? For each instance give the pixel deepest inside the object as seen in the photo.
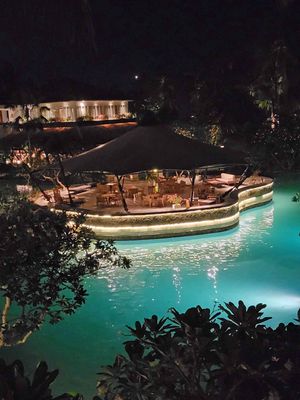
(151, 147)
(66, 103)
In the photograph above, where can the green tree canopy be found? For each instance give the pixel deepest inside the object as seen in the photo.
(44, 257)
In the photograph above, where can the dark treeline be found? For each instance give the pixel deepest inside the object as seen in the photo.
(221, 70)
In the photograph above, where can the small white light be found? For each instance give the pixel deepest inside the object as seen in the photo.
(136, 77)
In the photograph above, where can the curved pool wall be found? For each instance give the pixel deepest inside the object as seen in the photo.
(214, 218)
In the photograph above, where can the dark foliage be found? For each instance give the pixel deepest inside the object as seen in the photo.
(191, 356)
(15, 385)
(44, 257)
(278, 145)
(147, 118)
(63, 140)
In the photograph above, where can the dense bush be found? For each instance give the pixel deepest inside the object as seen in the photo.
(193, 356)
(280, 144)
(15, 385)
(44, 258)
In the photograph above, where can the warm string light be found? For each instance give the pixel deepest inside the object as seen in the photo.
(148, 228)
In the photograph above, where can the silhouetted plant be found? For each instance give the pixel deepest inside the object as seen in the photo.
(193, 356)
(15, 385)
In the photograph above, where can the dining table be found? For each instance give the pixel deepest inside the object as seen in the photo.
(110, 198)
(112, 186)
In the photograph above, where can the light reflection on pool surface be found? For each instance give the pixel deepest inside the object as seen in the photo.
(257, 262)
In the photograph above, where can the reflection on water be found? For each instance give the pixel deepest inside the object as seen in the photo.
(256, 262)
(205, 253)
(210, 254)
(212, 274)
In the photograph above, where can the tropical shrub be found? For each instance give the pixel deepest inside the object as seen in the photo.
(278, 144)
(15, 385)
(195, 355)
(44, 258)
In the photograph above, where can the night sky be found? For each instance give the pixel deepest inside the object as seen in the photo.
(104, 43)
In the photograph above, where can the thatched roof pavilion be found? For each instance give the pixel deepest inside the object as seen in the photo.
(151, 147)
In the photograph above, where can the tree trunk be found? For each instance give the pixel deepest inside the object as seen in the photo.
(4, 320)
(35, 181)
(5, 310)
(65, 181)
(14, 336)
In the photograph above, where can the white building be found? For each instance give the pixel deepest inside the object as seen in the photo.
(69, 111)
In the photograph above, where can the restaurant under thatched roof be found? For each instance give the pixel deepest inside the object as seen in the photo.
(151, 147)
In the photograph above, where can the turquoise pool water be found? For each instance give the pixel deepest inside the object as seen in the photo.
(257, 262)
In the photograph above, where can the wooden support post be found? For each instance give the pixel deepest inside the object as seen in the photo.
(193, 186)
(65, 183)
(247, 172)
(120, 187)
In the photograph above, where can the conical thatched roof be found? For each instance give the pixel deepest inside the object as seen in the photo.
(146, 148)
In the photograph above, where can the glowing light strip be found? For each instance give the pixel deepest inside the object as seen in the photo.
(210, 222)
(268, 186)
(179, 227)
(255, 200)
(185, 225)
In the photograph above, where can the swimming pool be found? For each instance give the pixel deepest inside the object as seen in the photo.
(258, 262)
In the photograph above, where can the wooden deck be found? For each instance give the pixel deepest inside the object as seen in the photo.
(157, 221)
(142, 197)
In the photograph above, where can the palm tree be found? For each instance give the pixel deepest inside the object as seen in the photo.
(278, 68)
